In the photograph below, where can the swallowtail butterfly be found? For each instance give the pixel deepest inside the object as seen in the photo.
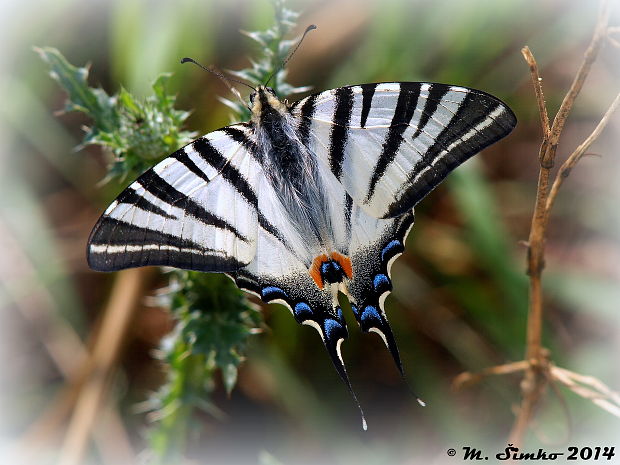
(306, 199)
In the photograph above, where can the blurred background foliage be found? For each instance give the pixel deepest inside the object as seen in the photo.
(460, 290)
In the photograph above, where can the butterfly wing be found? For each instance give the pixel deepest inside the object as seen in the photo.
(195, 210)
(375, 245)
(390, 144)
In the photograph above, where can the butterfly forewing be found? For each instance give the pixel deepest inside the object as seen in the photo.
(195, 210)
(390, 144)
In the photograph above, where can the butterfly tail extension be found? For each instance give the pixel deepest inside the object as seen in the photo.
(372, 319)
(333, 332)
(372, 282)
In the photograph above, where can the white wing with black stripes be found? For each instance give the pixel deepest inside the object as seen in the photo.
(197, 210)
(304, 201)
(390, 144)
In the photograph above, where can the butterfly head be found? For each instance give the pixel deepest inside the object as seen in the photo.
(264, 99)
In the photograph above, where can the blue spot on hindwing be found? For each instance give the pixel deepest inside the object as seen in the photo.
(355, 311)
(303, 311)
(272, 292)
(395, 244)
(330, 326)
(370, 313)
(380, 281)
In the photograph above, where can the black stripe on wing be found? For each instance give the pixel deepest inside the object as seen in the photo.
(348, 207)
(222, 165)
(239, 136)
(405, 107)
(159, 188)
(213, 157)
(115, 245)
(340, 130)
(435, 94)
(131, 197)
(182, 157)
(305, 123)
(368, 90)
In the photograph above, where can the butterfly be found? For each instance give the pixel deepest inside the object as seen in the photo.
(305, 200)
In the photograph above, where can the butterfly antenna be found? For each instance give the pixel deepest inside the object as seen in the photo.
(312, 27)
(226, 79)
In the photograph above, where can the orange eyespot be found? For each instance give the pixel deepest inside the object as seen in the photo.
(343, 262)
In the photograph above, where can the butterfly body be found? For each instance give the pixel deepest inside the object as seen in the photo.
(292, 172)
(305, 200)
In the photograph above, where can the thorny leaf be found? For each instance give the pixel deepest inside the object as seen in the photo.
(137, 132)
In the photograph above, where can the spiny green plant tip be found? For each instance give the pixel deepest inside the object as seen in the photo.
(273, 50)
(137, 132)
(214, 320)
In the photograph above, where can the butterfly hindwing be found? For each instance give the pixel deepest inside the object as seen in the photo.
(196, 209)
(390, 144)
(375, 244)
(276, 276)
(280, 271)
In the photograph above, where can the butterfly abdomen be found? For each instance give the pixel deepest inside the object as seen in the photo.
(291, 170)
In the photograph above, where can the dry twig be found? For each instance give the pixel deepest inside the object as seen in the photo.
(534, 382)
(579, 153)
(539, 371)
(467, 379)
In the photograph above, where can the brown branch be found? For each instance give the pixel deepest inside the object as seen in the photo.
(579, 153)
(540, 98)
(467, 379)
(588, 387)
(600, 33)
(539, 371)
(125, 296)
(534, 382)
